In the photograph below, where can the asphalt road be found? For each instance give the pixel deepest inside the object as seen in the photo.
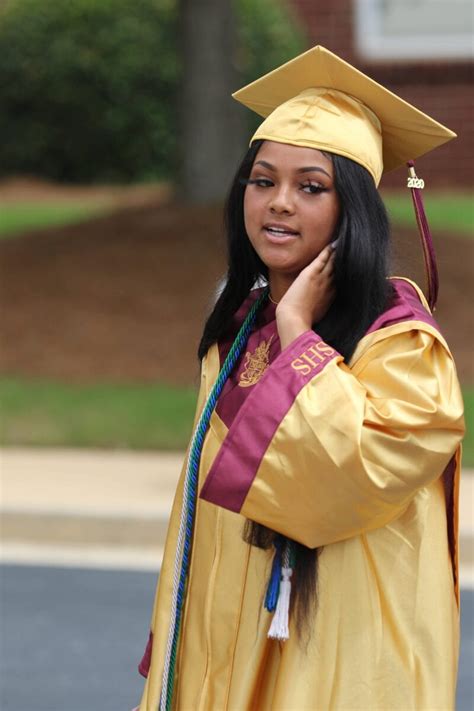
(71, 639)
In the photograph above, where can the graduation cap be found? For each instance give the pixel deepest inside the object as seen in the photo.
(318, 100)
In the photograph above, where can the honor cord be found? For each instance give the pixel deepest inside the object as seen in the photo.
(185, 533)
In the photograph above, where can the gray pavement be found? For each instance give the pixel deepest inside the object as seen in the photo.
(72, 638)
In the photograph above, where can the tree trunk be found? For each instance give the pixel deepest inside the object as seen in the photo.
(211, 138)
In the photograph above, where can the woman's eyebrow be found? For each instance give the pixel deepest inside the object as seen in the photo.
(307, 169)
(313, 169)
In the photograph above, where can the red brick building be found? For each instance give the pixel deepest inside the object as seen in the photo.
(424, 58)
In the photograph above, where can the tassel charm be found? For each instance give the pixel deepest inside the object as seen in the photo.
(279, 628)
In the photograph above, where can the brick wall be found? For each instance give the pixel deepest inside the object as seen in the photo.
(441, 89)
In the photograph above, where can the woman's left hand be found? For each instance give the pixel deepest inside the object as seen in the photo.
(308, 298)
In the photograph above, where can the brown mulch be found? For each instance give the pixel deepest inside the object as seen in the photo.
(123, 297)
(23, 189)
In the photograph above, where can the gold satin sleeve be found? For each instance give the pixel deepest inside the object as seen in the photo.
(358, 443)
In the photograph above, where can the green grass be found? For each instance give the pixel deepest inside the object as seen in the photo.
(468, 444)
(445, 212)
(21, 217)
(50, 414)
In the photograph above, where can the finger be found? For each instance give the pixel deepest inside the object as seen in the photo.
(328, 273)
(322, 258)
(328, 264)
(318, 264)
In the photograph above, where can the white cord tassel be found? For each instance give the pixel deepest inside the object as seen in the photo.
(279, 627)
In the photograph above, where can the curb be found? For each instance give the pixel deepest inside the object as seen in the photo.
(84, 529)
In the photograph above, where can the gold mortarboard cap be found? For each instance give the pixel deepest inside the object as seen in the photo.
(320, 101)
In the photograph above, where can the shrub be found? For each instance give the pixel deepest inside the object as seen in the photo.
(89, 86)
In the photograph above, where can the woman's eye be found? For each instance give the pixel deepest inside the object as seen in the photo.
(262, 182)
(259, 182)
(312, 188)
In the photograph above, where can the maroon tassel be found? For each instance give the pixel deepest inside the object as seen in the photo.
(416, 185)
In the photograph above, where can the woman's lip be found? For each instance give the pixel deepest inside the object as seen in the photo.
(280, 238)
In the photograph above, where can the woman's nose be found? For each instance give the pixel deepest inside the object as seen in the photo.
(282, 201)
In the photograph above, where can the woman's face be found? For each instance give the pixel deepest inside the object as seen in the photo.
(291, 207)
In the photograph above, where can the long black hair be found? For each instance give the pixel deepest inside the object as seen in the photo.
(362, 294)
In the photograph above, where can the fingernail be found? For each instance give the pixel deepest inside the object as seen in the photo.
(334, 244)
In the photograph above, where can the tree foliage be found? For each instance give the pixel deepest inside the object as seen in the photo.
(89, 87)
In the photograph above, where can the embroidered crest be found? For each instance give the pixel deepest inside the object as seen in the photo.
(255, 364)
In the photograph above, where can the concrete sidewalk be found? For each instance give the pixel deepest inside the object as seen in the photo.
(86, 507)
(110, 508)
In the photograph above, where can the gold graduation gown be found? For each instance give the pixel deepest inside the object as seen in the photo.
(361, 459)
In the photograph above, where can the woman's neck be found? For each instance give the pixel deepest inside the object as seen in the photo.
(279, 285)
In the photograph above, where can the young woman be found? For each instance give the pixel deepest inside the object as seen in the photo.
(311, 559)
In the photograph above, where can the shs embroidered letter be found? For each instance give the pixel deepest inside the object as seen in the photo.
(314, 357)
